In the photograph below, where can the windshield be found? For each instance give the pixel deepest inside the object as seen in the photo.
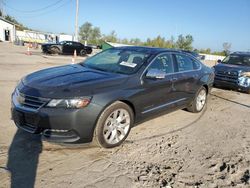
(62, 42)
(237, 60)
(117, 60)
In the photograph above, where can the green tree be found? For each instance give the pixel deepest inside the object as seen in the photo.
(125, 41)
(219, 53)
(185, 42)
(89, 33)
(112, 37)
(170, 43)
(95, 35)
(135, 41)
(205, 51)
(160, 42)
(85, 31)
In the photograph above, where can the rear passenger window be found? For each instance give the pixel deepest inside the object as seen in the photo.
(164, 63)
(197, 64)
(184, 63)
(77, 44)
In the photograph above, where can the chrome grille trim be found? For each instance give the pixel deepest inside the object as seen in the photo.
(230, 76)
(31, 101)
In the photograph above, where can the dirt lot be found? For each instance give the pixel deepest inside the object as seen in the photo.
(181, 149)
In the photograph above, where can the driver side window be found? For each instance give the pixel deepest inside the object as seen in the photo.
(68, 43)
(163, 63)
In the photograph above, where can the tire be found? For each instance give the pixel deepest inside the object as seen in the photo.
(89, 51)
(109, 132)
(83, 53)
(54, 50)
(199, 101)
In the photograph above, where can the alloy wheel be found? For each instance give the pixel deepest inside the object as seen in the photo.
(201, 100)
(116, 126)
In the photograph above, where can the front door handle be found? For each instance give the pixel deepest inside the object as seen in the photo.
(173, 79)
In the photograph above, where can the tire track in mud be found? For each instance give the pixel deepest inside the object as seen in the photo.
(121, 169)
(221, 170)
(126, 165)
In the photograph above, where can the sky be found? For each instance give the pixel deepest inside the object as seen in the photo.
(210, 22)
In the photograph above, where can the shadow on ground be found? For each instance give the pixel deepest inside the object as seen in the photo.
(232, 101)
(23, 159)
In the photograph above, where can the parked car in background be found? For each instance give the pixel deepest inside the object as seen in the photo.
(94, 46)
(234, 72)
(66, 47)
(104, 96)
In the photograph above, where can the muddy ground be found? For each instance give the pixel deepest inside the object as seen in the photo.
(181, 149)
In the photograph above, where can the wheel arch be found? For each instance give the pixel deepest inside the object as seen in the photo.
(125, 101)
(206, 87)
(56, 46)
(130, 104)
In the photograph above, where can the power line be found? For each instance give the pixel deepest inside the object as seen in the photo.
(46, 12)
(32, 11)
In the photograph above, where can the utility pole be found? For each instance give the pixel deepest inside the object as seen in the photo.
(76, 21)
(1, 8)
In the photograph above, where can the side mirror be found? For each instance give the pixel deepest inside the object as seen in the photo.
(155, 74)
(219, 61)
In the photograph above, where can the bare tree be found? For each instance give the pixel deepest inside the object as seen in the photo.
(227, 47)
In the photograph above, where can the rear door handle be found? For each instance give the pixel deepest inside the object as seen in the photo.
(195, 76)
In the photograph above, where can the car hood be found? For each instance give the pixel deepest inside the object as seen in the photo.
(69, 81)
(230, 67)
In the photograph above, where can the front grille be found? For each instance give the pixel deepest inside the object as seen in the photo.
(31, 101)
(229, 76)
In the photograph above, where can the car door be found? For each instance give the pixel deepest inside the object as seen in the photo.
(77, 46)
(157, 94)
(185, 78)
(68, 47)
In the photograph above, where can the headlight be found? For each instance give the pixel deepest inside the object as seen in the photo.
(244, 79)
(69, 103)
(245, 74)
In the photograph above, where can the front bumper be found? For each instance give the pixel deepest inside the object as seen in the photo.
(229, 84)
(45, 49)
(57, 124)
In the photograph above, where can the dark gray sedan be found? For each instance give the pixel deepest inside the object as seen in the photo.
(104, 96)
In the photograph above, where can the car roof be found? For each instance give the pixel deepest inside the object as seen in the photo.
(151, 50)
(241, 53)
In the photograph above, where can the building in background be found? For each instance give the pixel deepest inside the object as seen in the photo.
(30, 36)
(7, 30)
(8, 33)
